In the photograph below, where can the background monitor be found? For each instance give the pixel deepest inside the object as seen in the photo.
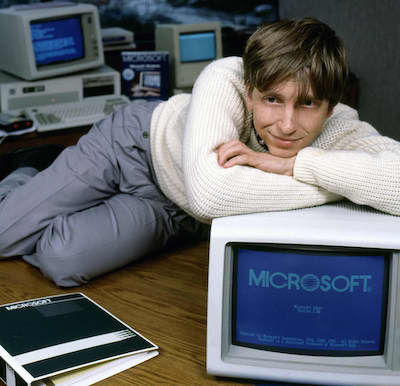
(50, 39)
(191, 47)
(306, 296)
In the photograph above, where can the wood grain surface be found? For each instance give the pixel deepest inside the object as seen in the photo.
(163, 297)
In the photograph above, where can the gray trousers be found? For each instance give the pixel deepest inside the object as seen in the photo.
(96, 208)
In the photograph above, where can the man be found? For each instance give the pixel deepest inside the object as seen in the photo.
(259, 134)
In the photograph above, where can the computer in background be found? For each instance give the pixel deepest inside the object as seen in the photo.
(191, 47)
(43, 40)
(308, 296)
(116, 37)
(63, 102)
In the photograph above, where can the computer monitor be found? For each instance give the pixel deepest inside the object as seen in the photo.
(44, 40)
(191, 47)
(150, 81)
(307, 296)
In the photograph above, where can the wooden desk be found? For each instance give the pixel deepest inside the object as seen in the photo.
(164, 297)
(66, 137)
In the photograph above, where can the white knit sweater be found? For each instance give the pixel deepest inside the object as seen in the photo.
(349, 159)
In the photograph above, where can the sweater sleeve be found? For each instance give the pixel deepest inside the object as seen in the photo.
(359, 164)
(216, 115)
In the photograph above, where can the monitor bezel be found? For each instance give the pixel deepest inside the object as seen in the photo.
(231, 353)
(304, 250)
(184, 75)
(21, 61)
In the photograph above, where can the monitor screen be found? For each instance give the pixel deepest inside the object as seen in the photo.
(310, 302)
(57, 41)
(152, 79)
(197, 47)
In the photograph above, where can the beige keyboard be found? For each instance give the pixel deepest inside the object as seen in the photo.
(74, 114)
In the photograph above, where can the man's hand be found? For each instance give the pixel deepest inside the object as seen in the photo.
(236, 152)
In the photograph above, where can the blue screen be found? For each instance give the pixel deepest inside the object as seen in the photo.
(197, 47)
(310, 302)
(152, 80)
(57, 40)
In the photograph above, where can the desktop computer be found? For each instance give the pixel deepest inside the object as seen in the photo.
(63, 102)
(53, 67)
(308, 296)
(43, 40)
(191, 47)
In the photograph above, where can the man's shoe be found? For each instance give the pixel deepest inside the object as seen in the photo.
(39, 158)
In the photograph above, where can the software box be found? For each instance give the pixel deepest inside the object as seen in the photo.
(145, 74)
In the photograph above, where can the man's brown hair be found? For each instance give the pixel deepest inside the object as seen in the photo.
(306, 50)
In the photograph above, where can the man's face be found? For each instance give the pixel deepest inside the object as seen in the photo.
(286, 122)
